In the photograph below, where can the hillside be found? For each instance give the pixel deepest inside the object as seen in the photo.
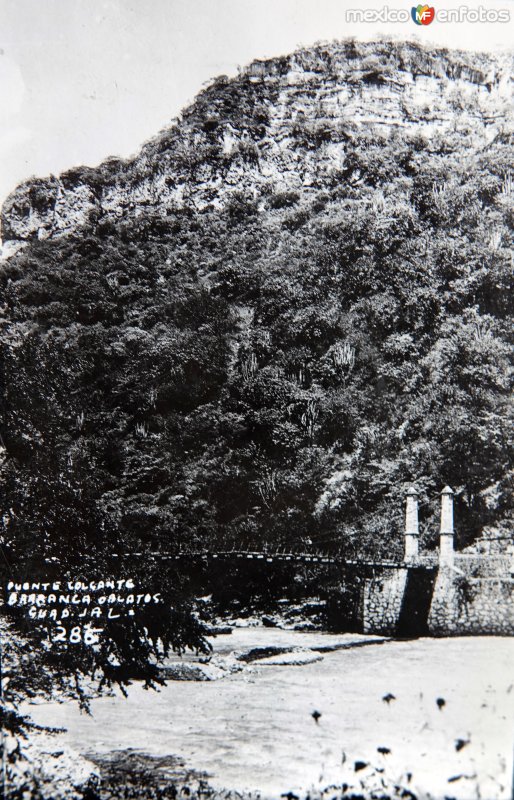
(292, 304)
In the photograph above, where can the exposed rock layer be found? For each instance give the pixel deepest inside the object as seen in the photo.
(281, 125)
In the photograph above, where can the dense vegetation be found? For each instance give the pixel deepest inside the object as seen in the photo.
(273, 370)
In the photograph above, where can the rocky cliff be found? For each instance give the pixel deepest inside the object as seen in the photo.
(282, 125)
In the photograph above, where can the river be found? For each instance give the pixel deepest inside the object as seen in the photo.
(253, 729)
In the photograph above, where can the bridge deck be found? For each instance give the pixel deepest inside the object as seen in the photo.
(272, 557)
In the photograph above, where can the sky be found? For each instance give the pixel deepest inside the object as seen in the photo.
(81, 80)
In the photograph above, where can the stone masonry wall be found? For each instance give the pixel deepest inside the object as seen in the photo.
(475, 596)
(383, 598)
(462, 604)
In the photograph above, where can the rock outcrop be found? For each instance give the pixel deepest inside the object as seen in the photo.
(282, 126)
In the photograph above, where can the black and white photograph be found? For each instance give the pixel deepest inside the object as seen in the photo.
(256, 412)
